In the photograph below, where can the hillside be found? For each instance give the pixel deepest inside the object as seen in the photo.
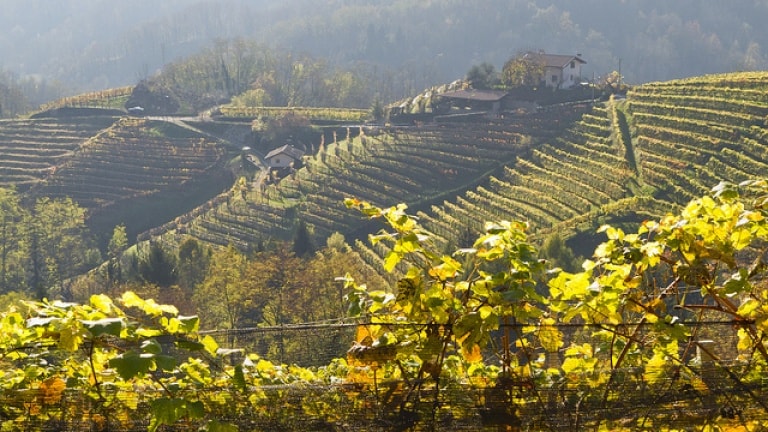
(565, 171)
(415, 165)
(137, 172)
(622, 161)
(688, 358)
(627, 160)
(33, 149)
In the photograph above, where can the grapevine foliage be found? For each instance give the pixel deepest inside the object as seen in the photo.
(112, 351)
(487, 317)
(643, 304)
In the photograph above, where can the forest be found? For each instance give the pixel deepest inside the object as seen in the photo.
(419, 44)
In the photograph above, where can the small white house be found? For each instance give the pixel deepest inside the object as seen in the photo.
(560, 71)
(283, 157)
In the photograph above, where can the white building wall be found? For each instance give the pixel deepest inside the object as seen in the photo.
(553, 76)
(571, 75)
(279, 161)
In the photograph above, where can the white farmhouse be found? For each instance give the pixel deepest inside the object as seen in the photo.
(560, 71)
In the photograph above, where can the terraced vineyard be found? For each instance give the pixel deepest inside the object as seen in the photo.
(311, 113)
(621, 161)
(134, 157)
(30, 150)
(693, 133)
(413, 165)
(669, 143)
(110, 98)
(580, 173)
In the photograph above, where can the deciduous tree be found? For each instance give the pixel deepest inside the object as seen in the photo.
(59, 244)
(522, 70)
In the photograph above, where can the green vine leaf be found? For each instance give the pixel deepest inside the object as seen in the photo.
(104, 326)
(166, 411)
(131, 364)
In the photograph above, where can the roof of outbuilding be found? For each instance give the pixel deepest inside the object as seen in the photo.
(476, 95)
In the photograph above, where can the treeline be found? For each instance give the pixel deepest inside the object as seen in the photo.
(276, 283)
(19, 95)
(47, 251)
(420, 44)
(371, 49)
(255, 75)
(652, 39)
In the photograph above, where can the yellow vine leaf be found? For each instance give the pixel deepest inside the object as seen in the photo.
(210, 344)
(102, 303)
(51, 390)
(473, 355)
(550, 337)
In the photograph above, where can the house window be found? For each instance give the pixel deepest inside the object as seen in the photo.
(277, 161)
(573, 64)
(554, 78)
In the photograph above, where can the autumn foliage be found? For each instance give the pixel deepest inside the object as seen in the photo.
(482, 337)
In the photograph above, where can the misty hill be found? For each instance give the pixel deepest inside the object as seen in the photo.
(86, 45)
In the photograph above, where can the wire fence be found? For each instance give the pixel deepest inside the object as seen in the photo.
(304, 345)
(726, 388)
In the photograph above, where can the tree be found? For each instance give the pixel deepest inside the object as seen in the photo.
(288, 127)
(252, 98)
(193, 263)
(11, 241)
(524, 70)
(224, 297)
(158, 266)
(377, 110)
(302, 241)
(59, 244)
(559, 254)
(271, 279)
(117, 243)
(612, 83)
(482, 76)
(317, 291)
